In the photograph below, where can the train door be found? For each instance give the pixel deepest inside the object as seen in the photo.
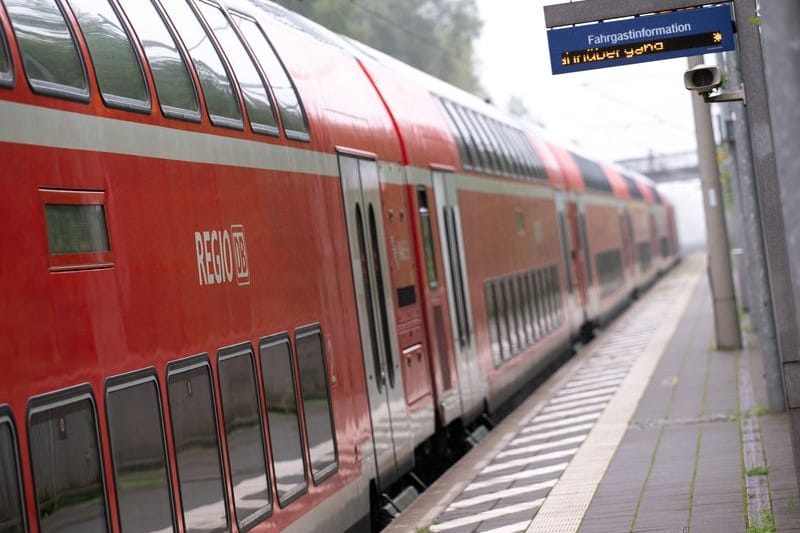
(572, 298)
(576, 256)
(434, 302)
(471, 385)
(391, 433)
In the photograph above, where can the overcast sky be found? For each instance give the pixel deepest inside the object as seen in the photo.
(612, 113)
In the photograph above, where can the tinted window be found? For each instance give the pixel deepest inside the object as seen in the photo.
(173, 83)
(427, 237)
(73, 229)
(244, 435)
(316, 403)
(221, 100)
(194, 433)
(291, 109)
(593, 176)
(116, 66)
(6, 72)
(11, 520)
(136, 433)
(469, 144)
(65, 457)
(256, 97)
(51, 59)
(284, 423)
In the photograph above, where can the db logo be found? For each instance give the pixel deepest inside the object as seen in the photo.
(221, 255)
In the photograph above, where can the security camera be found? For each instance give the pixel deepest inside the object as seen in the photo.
(702, 78)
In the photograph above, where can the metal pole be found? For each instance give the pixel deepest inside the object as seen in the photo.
(761, 304)
(726, 320)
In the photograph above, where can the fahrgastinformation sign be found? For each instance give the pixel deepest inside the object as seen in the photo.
(653, 37)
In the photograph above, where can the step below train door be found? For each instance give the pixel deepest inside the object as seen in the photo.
(391, 433)
(472, 388)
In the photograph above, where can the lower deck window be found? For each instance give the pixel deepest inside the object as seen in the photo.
(11, 514)
(196, 439)
(66, 463)
(280, 396)
(316, 403)
(138, 455)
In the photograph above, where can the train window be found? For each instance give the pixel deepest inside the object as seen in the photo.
(502, 148)
(256, 98)
(196, 440)
(244, 435)
(138, 453)
(6, 70)
(316, 402)
(66, 463)
(461, 143)
(530, 306)
(116, 65)
(483, 152)
(293, 116)
(221, 100)
(513, 146)
(502, 319)
(484, 123)
(522, 318)
(593, 176)
(427, 237)
(473, 160)
(12, 516)
(280, 397)
(77, 232)
(52, 62)
(174, 86)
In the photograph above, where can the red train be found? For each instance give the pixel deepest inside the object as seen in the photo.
(250, 268)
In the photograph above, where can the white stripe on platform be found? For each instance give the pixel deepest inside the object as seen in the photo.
(500, 494)
(582, 376)
(516, 476)
(582, 395)
(598, 384)
(571, 412)
(577, 403)
(561, 423)
(534, 448)
(560, 454)
(511, 528)
(567, 503)
(550, 434)
(487, 515)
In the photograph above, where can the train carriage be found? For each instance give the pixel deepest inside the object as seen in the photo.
(251, 269)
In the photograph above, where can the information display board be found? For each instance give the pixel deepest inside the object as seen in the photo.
(689, 32)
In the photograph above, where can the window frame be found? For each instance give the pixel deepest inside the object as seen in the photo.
(52, 89)
(54, 400)
(7, 417)
(114, 101)
(255, 127)
(291, 134)
(245, 349)
(168, 111)
(7, 79)
(297, 492)
(301, 333)
(181, 366)
(77, 261)
(215, 120)
(122, 382)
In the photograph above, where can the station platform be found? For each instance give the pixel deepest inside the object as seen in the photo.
(648, 428)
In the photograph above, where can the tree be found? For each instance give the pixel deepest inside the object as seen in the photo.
(435, 36)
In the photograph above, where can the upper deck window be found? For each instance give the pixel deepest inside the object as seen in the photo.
(293, 116)
(173, 83)
(116, 65)
(221, 100)
(6, 72)
(256, 97)
(51, 59)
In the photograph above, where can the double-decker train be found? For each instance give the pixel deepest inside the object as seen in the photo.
(251, 271)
